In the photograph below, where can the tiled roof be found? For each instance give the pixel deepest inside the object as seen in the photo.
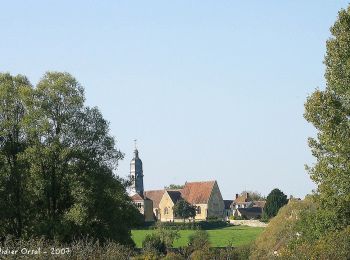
(228, 203)
(136, 197)
(197, 192)
(174, 195)
(155, 196)
(259, 203)
(242, 198)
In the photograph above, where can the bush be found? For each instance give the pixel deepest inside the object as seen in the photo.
(154, 243)
(199, 240)
(83, 249)
(173, 256)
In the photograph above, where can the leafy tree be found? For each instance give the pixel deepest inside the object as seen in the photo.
(57, 163)
(184, 209)
(274, 201)
(174, 187)
(253, 195)
(329, 111)
(14, 200)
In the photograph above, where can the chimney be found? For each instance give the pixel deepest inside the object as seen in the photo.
(236, 196)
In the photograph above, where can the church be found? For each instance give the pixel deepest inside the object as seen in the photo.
(157, 205)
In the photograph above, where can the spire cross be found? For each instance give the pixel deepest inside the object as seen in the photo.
(135, 140)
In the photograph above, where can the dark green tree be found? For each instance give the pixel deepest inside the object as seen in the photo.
(274, 201)
(329, 111)
(57, 163)
(14, 200)
(184, 210)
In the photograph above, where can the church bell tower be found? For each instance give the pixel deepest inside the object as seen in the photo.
(136, 173)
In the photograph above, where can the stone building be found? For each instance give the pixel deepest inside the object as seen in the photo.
(205, 196)
(158, 204)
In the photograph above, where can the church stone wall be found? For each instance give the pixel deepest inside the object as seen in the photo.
(166, 208)
(216, 204)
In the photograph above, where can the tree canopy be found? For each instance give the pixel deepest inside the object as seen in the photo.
(274, 201)
(329, 111)
(57, 163)
(184, 209)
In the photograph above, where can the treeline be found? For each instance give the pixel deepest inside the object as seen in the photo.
(56, 164)
(319, 226)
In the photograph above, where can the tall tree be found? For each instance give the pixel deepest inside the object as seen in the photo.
(14, 90)
(274, 201)
(329, 111)
(57, 163)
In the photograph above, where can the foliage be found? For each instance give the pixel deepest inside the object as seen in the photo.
(56, 164)
(168, 236)
(329, 111)
(281, 229)
(253, 195)
(274, 201)
(199, 240)
(154, 243)
(82, 249)
(332, 245)
(184, 209)
(174, 187)
(173, 256)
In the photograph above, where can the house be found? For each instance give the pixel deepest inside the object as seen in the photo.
(242, 201)
(155, 196)
(144, 205)
(205, 196)
(246, 208)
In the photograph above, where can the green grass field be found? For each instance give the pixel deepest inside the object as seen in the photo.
(235, 235)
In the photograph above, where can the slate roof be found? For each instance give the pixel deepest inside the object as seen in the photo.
(250, 213)
(155, 196)
(174, 195)
(228, 204)
(197, 192)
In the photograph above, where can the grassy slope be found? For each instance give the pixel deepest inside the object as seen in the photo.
(236, 235)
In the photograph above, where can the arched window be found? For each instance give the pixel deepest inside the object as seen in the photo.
(165, 211)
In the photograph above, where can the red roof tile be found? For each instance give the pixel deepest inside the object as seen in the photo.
(197, 192)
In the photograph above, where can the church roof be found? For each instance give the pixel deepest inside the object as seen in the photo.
(197, 192)
(174, 195)
(155, 196)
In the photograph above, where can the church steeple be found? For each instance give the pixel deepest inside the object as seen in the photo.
(136, 173)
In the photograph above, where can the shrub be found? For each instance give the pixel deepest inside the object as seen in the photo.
(154, 243)
(173, 256)
(199, 240)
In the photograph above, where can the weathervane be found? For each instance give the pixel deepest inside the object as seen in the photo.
(135, 142)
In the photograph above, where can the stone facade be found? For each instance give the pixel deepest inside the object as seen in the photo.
(205, 196)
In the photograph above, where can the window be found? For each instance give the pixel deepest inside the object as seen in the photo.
(165, 211)
(198, 210)
(139, 205)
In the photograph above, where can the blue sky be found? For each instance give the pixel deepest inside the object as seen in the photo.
(211, 89)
